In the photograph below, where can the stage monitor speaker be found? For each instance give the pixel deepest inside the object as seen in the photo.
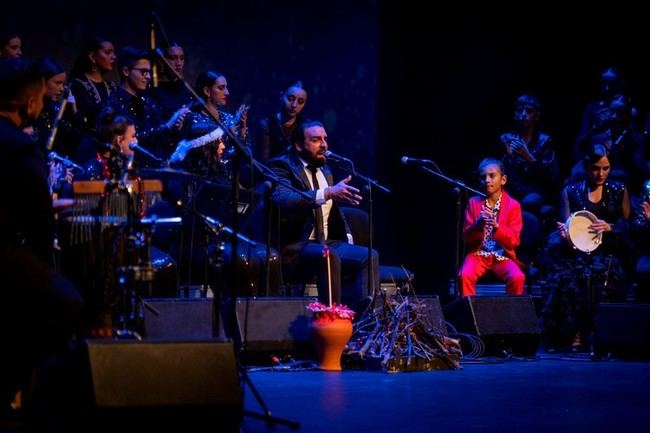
(163, 386)
(623, 330)
(179, 319)
(273, 326)
(506, 324)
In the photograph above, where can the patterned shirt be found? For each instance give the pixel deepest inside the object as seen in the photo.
(489, 245)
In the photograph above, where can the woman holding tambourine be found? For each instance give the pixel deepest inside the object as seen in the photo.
(588, 266)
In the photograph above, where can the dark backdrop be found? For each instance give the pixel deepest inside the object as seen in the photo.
(261, 48)
(447, 82)
(388, 78)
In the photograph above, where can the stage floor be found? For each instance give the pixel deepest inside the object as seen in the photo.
(548, 395)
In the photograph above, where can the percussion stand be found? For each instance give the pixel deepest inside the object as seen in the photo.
(193, 189)
(135, 270)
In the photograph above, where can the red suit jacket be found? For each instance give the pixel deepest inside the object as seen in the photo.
(508, 233)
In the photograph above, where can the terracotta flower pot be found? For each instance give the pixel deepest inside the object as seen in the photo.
(330, 335)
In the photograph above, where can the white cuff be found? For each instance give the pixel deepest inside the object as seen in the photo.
(320, 197)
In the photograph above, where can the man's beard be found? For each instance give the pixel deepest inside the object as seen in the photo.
(318, 163)
(312, 160)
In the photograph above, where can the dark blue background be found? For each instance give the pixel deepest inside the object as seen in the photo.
(387, 78)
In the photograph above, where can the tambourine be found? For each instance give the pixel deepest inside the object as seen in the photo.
(579, 234)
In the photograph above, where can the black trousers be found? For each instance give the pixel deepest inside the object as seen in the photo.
(348, 269)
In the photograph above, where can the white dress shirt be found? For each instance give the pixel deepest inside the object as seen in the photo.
(326, 206)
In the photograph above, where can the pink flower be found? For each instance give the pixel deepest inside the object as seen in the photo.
(322, 311)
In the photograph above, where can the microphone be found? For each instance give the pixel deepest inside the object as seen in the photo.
(415, 161)
(137, 148)
(53, 156)
(337, 158)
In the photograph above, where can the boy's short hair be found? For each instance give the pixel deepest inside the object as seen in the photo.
(491, 161)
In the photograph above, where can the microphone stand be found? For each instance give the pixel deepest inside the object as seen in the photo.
(57, 120)
(268, 173)
(457, 233)
(348, 166)
(152, 46)
(459, 187)
(268, 218)
(136, 148)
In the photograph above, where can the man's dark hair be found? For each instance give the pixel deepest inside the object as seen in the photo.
(6, 37)
(298, 135)
(18, 78)
(129, 56)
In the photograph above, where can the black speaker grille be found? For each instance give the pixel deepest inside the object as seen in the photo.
(178, 319)
(273, 324)
(149, 374)
(504, 315)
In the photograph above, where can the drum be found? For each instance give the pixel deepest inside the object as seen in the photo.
(579, 234)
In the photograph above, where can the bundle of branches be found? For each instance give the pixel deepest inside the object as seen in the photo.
(398, 336)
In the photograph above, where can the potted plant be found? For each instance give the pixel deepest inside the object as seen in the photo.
(331, 328)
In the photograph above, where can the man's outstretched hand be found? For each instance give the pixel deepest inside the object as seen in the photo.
(343, 192)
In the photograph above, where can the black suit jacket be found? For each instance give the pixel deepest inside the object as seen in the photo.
(296, 212)
(26, 218)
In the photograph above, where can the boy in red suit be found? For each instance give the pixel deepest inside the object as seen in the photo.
(492, 230)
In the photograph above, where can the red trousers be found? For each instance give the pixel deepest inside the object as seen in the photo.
(476, 266)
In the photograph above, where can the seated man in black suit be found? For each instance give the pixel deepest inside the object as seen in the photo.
(308, 225)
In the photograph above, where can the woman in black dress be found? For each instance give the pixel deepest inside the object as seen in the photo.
(276, 129)
(577, 281)
(87, 83)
